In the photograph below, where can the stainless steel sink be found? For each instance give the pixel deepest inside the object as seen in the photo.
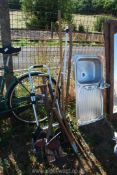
(89, 97)
(88, 69)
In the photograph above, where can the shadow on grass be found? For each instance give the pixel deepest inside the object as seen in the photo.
(98, 138)
(96, 158)
(17, 158)
(15, 139)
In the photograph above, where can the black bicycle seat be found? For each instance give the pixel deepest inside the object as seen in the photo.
(9, 50)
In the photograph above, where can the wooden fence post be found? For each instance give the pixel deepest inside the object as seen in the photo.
(61, 59)
(69, 65)
(60, 36)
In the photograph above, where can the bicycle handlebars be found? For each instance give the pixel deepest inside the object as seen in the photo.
(9, 50)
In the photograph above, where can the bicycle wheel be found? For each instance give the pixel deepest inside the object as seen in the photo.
(19, 97)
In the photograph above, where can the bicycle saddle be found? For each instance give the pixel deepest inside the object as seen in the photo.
(9, 50)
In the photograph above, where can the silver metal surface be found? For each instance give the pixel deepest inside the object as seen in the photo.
(89, 104)
(88, 70)
(89, 95)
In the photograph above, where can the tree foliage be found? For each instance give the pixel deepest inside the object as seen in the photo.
(41, 13)
(14, 4)
(110, 7)
(83, 6)
(96, 6)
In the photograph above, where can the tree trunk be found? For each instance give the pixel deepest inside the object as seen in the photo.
(5, 32)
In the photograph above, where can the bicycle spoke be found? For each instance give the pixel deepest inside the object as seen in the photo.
(20, 98)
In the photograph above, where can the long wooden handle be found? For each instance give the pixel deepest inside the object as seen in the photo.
(63, 118)
(64, 130)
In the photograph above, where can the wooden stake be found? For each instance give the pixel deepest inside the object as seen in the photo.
(61, 60)
(69, 66)
(60, 37)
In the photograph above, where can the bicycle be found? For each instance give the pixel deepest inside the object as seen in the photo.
(19, 98)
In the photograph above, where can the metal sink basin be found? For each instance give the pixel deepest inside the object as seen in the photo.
(89, 97)
(88, 70)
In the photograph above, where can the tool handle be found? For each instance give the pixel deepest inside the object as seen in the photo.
(66, 132)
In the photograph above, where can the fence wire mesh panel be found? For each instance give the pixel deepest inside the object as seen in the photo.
(39, 46)
(40, 43)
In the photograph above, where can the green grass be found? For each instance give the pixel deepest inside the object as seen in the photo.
(35, 43)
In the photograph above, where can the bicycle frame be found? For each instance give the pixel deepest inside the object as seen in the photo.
(3, 79)
(6, 88)
(3, 92)
(33, 98)
(4, 76)
(2, 83)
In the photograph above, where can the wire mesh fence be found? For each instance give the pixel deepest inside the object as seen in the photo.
(41, 45)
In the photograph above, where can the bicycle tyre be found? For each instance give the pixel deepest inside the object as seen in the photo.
(20, 103)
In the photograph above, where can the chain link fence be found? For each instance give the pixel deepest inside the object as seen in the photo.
(42, 45)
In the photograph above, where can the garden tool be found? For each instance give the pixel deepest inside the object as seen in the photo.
(57, 110)
(41, 141)
(66, 130)
(51, 148)
(66, 50)
(54, 142)
(55, 146)
(63, 71)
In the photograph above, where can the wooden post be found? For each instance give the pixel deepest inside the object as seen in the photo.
(69, 65)
(60, 37)
(5, 31)
(110, 30)
(107, 56)
(61, 58)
